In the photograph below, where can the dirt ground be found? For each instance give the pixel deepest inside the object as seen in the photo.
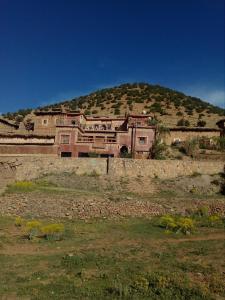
(72, 196)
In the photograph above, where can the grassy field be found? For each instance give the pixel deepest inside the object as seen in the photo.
(130, 258)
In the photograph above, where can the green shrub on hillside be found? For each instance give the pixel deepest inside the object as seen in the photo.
(158, 149)
(220, 143)
(190, 147)
(156, 107)
(183, 122)
(35, 229)
(53, 231)
(201, 123)
(117, 111)
(177, 224)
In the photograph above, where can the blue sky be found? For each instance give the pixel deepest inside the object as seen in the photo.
(52, 50)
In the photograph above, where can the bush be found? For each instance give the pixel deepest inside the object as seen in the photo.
(214, 221)
(183, 122)
(22, 186)
(157, 150)
(172, 286)
(53, 231)
(35, 228)
(201, 123)
(202, 211)
(153, 122)
(189, 147)
(32, 228)
(168, 222)
(177, 224)
(185, 225)
(203, 218)
(220, 143)
(156, 107)
(19, 222)
(116, 111)
(210, 221)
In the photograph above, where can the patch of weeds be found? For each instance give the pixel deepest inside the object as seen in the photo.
(177, 224)
(32, 229)
(213, 221)
(76, 262)
(157, 286)
(216, 284)
(53, 231)
(61, 288)
(45, 183)
(172, 286)
(21, 186)
(35, 229)
(200, 251)
(19, 222)
(144, 228)
(188, 266)
(203, 218)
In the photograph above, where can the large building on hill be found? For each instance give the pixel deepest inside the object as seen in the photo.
(72, 134)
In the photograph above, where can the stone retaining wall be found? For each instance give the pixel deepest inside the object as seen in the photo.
(164, 169)
(26, 168)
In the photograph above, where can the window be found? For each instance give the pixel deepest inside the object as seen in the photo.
(66, 154)
(142, 140)
(45, 122)
(65, 139)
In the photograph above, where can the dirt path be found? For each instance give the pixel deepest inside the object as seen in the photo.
(34, 249)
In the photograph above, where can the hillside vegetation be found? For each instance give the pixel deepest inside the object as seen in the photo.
(167, 105)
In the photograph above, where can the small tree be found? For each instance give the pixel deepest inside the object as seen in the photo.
(201, 123)
(29, 125)
(183, 122)
(157, 150)
(190, 146)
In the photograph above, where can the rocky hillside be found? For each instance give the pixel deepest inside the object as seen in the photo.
(167, 105)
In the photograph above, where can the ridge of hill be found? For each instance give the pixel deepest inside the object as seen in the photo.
(166, 104)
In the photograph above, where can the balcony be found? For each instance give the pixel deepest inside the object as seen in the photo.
(93, 127)
(62, 122)
(96, 140)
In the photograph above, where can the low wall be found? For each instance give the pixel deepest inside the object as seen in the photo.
(26, 168)
(164, 169)
(31, 149)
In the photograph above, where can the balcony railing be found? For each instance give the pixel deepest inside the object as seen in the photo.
(94, 127)
(96, 140)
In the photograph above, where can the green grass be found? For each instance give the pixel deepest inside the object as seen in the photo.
(130, 258)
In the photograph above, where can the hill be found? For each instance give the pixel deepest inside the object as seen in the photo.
(166, 104)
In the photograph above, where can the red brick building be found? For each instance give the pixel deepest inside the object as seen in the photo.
(72, 134)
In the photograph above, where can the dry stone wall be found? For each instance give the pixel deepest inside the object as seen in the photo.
(164, 169)
(8, 169)
(27, 168)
